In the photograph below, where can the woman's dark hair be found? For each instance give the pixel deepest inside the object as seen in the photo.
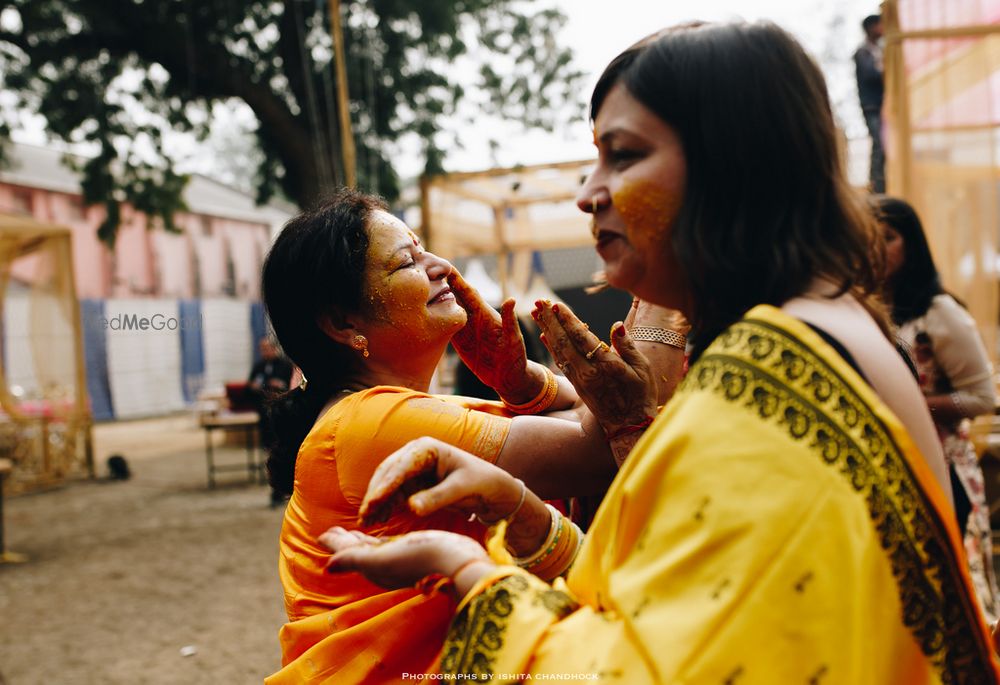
(767, 206)
(917, 281)
(315, 267)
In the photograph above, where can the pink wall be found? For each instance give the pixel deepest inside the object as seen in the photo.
(174, 264)
(150, 263)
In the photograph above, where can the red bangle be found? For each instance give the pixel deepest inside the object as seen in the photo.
(634, 428)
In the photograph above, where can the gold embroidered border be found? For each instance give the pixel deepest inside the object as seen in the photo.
(478, 633)
(764, 369)
(491, 437)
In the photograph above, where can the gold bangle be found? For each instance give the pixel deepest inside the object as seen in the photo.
(542, 401)
(512, 514)
(555, 529)
(660, 335)
(559, 550)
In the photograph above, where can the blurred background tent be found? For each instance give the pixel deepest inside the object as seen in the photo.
(942, 69)
(45, 426)
(523, 223)
(511, 214)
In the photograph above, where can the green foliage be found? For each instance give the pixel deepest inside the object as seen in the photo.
(122, 73)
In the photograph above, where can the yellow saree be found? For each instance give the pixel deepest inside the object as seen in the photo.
(775, 525)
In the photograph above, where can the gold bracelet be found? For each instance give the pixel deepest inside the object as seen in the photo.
(660, 335)
(542, 401)
(509, 517)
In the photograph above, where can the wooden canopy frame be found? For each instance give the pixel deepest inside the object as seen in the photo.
(45, 447)
(505, 212)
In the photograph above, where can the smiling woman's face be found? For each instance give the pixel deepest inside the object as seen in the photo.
(639, 186)
(407, 298)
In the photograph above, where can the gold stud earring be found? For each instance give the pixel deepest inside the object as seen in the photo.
(360, 343)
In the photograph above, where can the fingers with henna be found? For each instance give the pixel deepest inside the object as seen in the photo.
(466, 295)
(555, 337)
(410, 461)
(625, 347)
(630, 317)
(338, 539)
(568, 338)
(508, 320)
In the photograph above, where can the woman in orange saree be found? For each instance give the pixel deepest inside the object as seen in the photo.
(785, 518)
(367, 313)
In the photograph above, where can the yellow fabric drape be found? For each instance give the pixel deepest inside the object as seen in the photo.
(775, 525)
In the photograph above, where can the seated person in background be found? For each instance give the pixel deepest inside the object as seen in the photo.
(366, 313)
(270, 376)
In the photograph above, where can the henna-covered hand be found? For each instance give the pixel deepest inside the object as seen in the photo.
(643, 313)
(617, 385)
(492, 346)
(666, 361)
(428, 475)
(405, 560)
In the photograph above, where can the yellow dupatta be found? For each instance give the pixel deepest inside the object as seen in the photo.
(775, 525)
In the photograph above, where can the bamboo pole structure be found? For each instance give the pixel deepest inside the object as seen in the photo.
(899, 179)
(343, 101)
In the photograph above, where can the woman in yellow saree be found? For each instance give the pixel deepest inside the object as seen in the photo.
(784, 519)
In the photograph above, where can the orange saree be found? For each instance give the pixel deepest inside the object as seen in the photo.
(341, 628)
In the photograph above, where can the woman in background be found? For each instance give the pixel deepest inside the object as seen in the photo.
(954, 371)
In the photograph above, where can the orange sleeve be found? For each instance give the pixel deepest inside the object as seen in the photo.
(381, 420)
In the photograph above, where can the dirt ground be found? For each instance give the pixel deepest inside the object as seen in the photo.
(123, 578)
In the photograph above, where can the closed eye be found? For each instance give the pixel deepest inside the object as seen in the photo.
(623, 157)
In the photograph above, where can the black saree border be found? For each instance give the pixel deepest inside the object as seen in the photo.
(768, 370)
(478, 632)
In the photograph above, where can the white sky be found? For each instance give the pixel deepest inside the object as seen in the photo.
(598, 30)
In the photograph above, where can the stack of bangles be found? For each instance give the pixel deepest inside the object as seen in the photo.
(559, 550)
(542, 401)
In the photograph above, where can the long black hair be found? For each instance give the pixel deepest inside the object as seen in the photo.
(917, 281)
(768, 206)
(315, 268)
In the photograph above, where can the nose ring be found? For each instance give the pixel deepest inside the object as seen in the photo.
(593, 205)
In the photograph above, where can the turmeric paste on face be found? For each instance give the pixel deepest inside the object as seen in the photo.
(647, 209)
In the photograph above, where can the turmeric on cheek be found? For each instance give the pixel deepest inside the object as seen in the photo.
(647, 208)
(377, 302)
